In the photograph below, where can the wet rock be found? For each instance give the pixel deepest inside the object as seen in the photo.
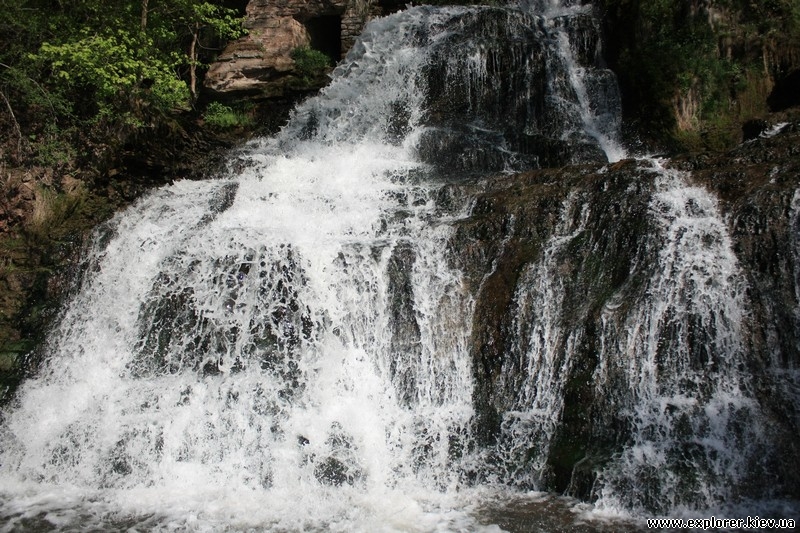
(504, 69)
(405, 345)
(608, 252)
(340, 466)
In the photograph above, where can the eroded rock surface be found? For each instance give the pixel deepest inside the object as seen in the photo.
(260, 64)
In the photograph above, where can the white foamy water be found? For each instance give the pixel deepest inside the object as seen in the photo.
(237, 367)
(545, 346)
(681, 351)
(285, 349)
(232, 362)
(288, 347)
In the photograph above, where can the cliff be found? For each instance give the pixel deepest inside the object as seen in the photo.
(593, 233)
(691, 73)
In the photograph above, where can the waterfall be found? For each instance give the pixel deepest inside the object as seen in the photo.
(595, 89)
(681, 353)
(309, 341)
(545, 348)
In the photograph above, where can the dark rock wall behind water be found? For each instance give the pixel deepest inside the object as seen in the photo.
(502, 92)
(602, 271)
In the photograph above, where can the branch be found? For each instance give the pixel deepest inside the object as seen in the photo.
(44, 93)
(14, 119)
(212, 48)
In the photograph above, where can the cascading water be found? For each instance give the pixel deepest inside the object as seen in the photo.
(576, 37)
(695, 419)
(292, 346)
(293, 333)
(545, 346)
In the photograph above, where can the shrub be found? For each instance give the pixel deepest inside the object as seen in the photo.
(114, 69)
(221, 116)
(309, 63)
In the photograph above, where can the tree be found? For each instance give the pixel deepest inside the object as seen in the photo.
(122, 57)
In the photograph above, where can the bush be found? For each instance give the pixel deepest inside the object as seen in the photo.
(221, 116)
(112, 68)
(309, 63)
(52, 148)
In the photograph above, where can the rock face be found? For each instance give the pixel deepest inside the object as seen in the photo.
(260, 65)
(753, 48)
(518, 77)
(581, 271)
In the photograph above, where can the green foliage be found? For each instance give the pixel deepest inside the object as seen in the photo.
(135, 60)
(309, 63)
(52, 148)
(31, 96)
(666, 51)
(224, 22)
(116, 70)
(103, 66)
(221, 116)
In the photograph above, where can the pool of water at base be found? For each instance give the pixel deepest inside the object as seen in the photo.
(494, 512)
(475, 511)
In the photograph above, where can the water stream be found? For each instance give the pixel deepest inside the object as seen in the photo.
(288, 346)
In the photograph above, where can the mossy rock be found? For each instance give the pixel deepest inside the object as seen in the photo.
(12, 356)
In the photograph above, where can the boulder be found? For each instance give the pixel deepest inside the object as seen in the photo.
(257, 63)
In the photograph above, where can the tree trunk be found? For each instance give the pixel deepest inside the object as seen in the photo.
(193, 62)
(144, 15)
